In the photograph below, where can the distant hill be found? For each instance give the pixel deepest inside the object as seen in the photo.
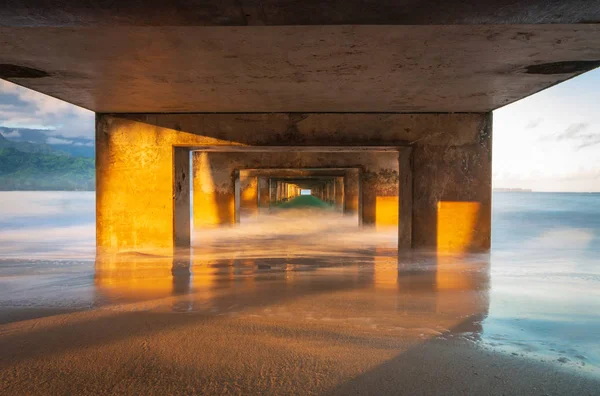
(31, 166)
(37, 140)
(26, 147)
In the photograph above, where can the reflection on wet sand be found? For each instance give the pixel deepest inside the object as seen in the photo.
(362, 311)
(249, 284)
(367, 323)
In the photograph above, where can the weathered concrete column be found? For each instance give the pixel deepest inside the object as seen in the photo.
(351, 192)
(142, 188)
(452, 192)
(279, 191)
(248, 195)
(181, 197)
(213, 194)
(272, 192)
(379, 184)
(339, 194)
(263, 193)
(405, 209)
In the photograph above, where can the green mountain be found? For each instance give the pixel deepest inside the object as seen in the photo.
(28, 147)
(37, 140)
(40, 169)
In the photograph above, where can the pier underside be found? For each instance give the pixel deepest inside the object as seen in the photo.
(191, 97)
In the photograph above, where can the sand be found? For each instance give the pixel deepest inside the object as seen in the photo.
(337, 330)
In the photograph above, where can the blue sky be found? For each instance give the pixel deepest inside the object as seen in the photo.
(547, 142)
(60, 122)
(551, 141)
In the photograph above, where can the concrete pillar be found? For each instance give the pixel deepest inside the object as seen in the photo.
(248, 195)
(181, 197)
(272, 192)
(339, 194)
(452, 191)
(237, 192)
(332, 191)
(140, 189)
(351, 192)
(263, 193)
(380, 188)
(213, 191)
(405, 209)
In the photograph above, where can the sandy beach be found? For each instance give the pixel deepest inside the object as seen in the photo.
(234, 329)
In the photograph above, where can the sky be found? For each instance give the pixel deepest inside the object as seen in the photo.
(549, 141)
(55, 121)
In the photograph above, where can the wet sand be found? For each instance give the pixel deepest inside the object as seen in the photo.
(234, 328)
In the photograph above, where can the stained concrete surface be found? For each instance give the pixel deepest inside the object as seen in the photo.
(35, 13)
(474, 68)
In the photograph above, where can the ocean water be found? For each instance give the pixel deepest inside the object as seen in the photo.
(535, 296)
(545, 277)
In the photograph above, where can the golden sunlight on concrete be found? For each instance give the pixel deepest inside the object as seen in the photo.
(386, 211)
(456, 223)
(143, 181)
(213, 205)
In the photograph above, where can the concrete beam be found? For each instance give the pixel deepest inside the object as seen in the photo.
(298, 68)
(37, 13)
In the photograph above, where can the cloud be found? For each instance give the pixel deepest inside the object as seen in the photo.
(23, 108)
(578, 133)
(55, 140)
(534, 123)
(12, 134)
(573, 131)
(87, 144)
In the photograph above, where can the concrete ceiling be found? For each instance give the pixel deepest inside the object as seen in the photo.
(461, 68)
(294, 12)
